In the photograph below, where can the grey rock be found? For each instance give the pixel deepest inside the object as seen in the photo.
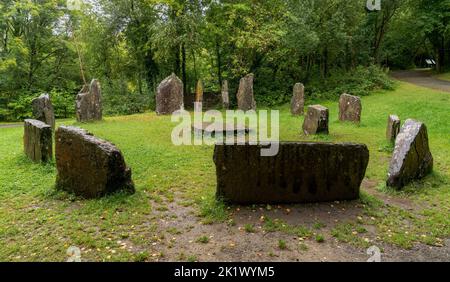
(88, 166)
(38, 141)
(393, 128)
(298, 100)
(43, 110)
(350, 108)
(170, 96)
(89, 103)
(316, 120)
(225, 95)
(245, 96)
(300, 173)
(412, 158)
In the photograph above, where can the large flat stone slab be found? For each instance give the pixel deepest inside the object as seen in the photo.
(89, 103)
(300, 173)
(88, 166)
(412, 158)
(38, 141)
(350, 108)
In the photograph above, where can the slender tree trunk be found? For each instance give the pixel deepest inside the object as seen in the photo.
(219, 63)
(183, 67)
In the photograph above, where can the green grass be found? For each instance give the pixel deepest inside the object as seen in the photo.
(444, 76)
(39, 224)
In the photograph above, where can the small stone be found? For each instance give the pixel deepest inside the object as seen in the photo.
(225, 95)
(43, 110)
(170, 96)
(245, 96)
(393, 128)
(316, 120)
(89, 103)
(350, 108)
(38, 141)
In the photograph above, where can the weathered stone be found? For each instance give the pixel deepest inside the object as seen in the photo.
(37, 140)
(88, 166)
(245, 97)
(43, 110)
(199, 92)
(170, 97)
(89, 103)
(210, 128)
(298, 100)
(350, 108)
(412, 159)
(225, 95)
(301, 172)
(316, 120)
(393, 128)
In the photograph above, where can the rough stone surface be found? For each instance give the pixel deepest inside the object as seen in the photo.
(199, 92)
(350, 108)
(37, 141)
(170, 97)
(209, 127)
(301, 172)
(88, 166)
(43, 110)
(412, 159)
(225, 95)
(89, 103)
(245, 97)
(393, 128)
(298, 100)
(316, 120)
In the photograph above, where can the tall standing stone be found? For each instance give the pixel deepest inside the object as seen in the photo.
(43, 110)
(89, 103)
(225, 95)
(316, 120)
(37, 141)
(298, 100)
(245, 96)
(170, 97)
(199, 92)
(412, 158)
(350, 108)
(88, 166)
(393, 128)
(299, 173)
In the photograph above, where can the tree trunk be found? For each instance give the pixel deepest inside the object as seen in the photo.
(183, 67)
(219, 63)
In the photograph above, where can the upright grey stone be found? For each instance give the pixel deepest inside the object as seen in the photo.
(89, 103)
(299, 173)
(316, 120)
(245, 96)
(38, 141)
(225, 95)
(412, 158)
(88, 166)
(393, 128)
(170, 96)
(350, 108)
(43, 110)
(298, 100)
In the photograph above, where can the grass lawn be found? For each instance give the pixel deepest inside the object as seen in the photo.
(38, 223)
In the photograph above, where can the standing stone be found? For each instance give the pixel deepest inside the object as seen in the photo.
(88, 166)
(43, 110)
(412, 158)
(298, 100)
(393, 128)
(37, 141)
(170, 97)
(89, 103)
(350, 108)
(225, 95)
(299, 173)
(316, 120)
(199, 92)
(245, 97)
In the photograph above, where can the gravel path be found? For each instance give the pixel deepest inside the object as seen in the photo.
(422, 78)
